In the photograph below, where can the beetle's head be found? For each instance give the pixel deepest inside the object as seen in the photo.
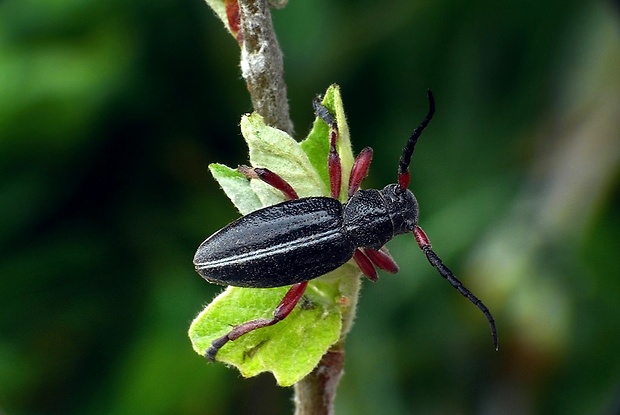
(403, 208)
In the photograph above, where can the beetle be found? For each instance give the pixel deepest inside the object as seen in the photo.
(300, 239)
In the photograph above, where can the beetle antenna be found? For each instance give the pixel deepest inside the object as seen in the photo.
(405, 158)
(425, 245)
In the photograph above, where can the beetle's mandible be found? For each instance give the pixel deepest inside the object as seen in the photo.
(301, 239)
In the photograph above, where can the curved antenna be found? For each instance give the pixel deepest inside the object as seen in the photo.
(405, 158)
(425, 245)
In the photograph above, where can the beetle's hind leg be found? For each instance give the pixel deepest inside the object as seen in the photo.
(334, 164)
(271, 178)
(288, 303)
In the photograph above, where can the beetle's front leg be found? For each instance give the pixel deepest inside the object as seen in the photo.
(382, 259)
(288, 303)
(359, 170)
(367, 258)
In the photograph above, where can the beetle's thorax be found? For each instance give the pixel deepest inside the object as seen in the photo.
(402, 208)
(373, 217)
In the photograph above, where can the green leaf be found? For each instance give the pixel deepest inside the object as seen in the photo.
(291, 348)
(277, 151)
(237, 188)
(316, 145)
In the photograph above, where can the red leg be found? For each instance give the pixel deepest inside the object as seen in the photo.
(333, 163)
(334, 166)
(359, 170)
(366, 266)
(270, 178)
(288, 303)
(382, 259)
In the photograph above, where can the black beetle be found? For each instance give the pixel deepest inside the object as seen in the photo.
(303, 238)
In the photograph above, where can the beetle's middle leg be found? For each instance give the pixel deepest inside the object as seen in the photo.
(288, 303)
(334, 165)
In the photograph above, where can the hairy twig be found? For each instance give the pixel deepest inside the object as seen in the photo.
(261, 64)
(315, 394)
(262, 69)
(249, 21)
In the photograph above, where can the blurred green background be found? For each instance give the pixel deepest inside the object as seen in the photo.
(110, 112)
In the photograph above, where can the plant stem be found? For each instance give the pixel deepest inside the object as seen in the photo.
(261, 64)
(262, 69)
(315, 394)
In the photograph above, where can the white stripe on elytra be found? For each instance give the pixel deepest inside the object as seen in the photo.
(270, 251)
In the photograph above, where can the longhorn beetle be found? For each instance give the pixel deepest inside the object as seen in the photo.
(301, 239)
